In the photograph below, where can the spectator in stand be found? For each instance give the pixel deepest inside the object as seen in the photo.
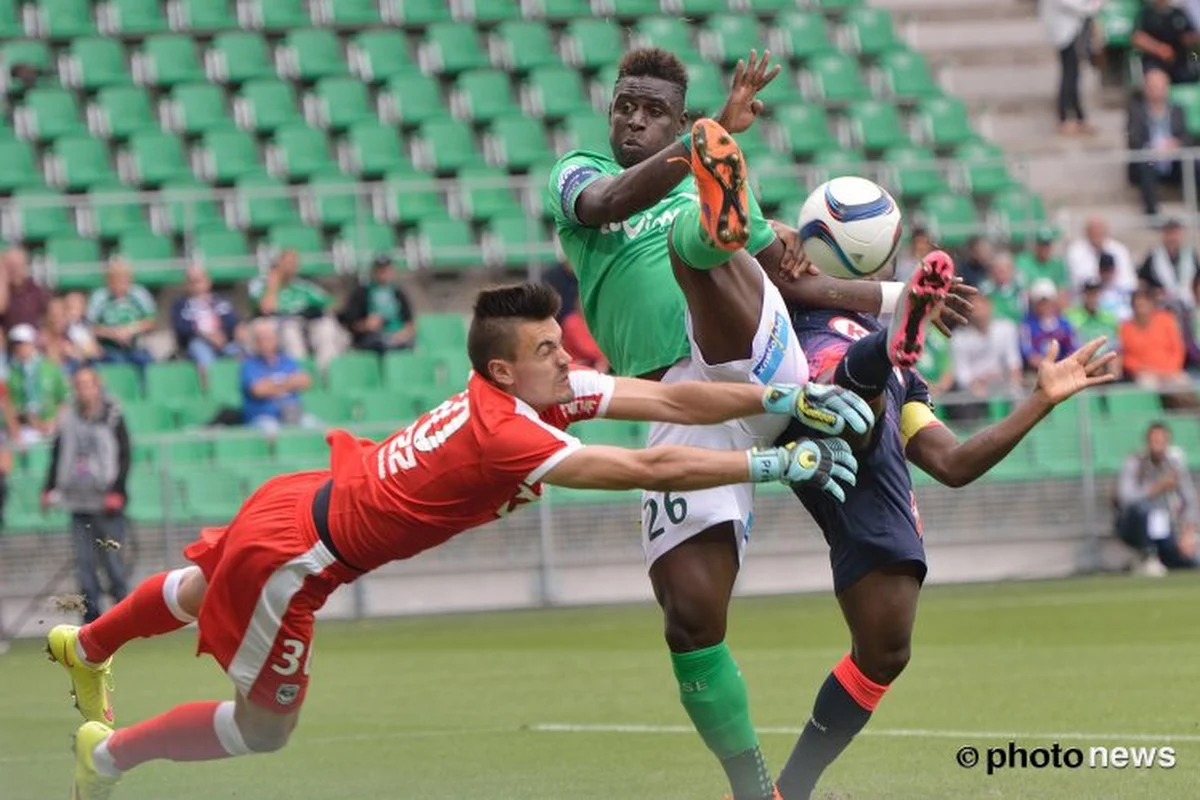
(301, 308)
(935, 365)
(919, 246)
(1068, 24)
(1084, 256)
(1157, 129)
(378, 314)
(1171, 268)
(974, 268)
(1005, 288)
(37, 385)
(1153, 350)
(1113, 298)
(578, 342)
(87, 476)
(1040, 262)
(1088, 320)
(1044, 324)
(271, 384)
(1166, 38)
(1157, 507)
(119, 313)
(987, 353)
(69, 346)
(23, 300)
(205, 323)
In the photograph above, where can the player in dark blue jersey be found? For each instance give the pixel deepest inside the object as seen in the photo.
(874, 537)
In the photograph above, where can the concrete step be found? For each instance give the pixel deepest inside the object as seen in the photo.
(956, 9)
(1015, 87)
(1006, 40)
(1034, 130)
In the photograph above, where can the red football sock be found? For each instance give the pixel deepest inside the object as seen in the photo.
(190, 732)
(150, 610)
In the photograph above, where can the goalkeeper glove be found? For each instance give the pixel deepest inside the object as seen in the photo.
(824, 408)
(817, 464)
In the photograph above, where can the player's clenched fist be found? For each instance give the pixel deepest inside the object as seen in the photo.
(818, 464)
(824, 408)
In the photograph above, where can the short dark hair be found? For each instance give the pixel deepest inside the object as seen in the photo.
(496, 312)
(654, 62)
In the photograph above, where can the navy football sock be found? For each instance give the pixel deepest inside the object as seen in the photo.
(865, 368)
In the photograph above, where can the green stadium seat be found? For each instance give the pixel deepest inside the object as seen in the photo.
(93, 63)
(451, 48)
(71, 256)
(81, 162)
(330, 408)
(945, 122)
(402, 370)
(374, 148)
(203, 15)
(187, 204)
(378, 55)
(908, 76)
(914, 172)
(115, 212)
(360, 241)
(952, 218)
(774, 181)
(355, 372)
(985, 169)
(706, 88)
(235, 450)
(48, 113)
(178, 453)
(802, 35)
(121, 111)
(152, 256)
(300, 151)
(1187, 97)
(229, 155)
(454, 366)
(487, 12)
(555, 92)
(390, 407)
(263, 202)
(586, 130)
(239, 56)
(871, 31)
(634, 9)
(1019, 212)
(441, 332)
(837, 162)
(223, 385)
(315, 261)
(482, 193)
(331, 200)
(213, 496)
(410, 197)
(728, 37)
(197, 108)
(1117, 21)
(224, 253)
(276, 15)
(838, 6)
(40, 214)
(412, 98)
(17, 166)
(591, 43)
(122, 381)
(11, 26)
(135, 17)
(835, 79)
(148, 417)
(805, 128)
(169, 381)
(445, 244)
(195, 412)
(753, 143)
(876, 125)
(153, 158)
(310, 55)
(1133, 404)
(669, 33)
(514, 239)
(517, 142)
(481, 95)
(700, 8)
(350, 13)
(522, 46)
(65, 19)
(264, 105)
(420, 13)
(297, 450)
(561, 10)
(445, 145)
(341, 103)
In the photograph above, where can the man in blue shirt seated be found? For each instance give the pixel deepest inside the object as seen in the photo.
(271, 384)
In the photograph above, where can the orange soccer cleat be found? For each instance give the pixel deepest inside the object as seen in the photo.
(720, 171)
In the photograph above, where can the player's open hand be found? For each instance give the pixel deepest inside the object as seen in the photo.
(956, 308)
(794, 263)
(822, 407)
(1058, 380)
(820, 464)
(742, 106)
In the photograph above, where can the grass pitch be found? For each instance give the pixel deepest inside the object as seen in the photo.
(580, 703)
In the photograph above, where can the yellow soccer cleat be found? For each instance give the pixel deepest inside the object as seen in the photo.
(90, 687)
(90, 784)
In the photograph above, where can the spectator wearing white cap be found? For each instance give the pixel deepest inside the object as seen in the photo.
(37, 385)
(1044, 324)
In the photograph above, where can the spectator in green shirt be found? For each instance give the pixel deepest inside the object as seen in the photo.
(1005, 287)
(37, 386)
(935, 365)
(1089, 319)
(120, 312)
(378, 313)
(1041, 261)
(301, 308)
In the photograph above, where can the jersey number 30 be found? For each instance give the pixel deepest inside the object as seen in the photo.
(676, 508)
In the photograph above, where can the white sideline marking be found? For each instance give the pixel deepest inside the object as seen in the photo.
(912, 733)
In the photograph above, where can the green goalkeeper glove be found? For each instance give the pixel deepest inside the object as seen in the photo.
(824, 408)
(807, 463)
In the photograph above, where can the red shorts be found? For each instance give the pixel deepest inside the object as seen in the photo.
(267, 573)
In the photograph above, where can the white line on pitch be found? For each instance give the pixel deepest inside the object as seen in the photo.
(914, 733)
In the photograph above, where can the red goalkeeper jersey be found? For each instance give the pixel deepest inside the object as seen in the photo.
(475, 458)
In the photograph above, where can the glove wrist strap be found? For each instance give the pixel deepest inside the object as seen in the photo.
(778, 400)
(765, 465)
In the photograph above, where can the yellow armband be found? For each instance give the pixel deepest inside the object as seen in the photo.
(915, 417)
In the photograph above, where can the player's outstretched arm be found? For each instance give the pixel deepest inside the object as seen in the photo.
(825, 409)
(817, 464)
(937, 451)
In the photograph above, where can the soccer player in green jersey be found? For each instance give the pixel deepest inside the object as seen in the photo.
(681, 279)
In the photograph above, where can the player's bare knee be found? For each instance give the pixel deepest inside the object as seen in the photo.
(266, 735)
(884, 664)
(689, 626)
(190, 594)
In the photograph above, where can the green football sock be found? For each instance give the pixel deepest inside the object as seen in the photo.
(714, 695)
(692, 243)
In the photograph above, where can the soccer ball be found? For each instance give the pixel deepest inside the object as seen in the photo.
(850, 227)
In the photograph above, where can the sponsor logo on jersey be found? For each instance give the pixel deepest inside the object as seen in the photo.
(848, 328)
(647, 221)
(525, 494)
(286, 694)
(777, 343)
(581, 407)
